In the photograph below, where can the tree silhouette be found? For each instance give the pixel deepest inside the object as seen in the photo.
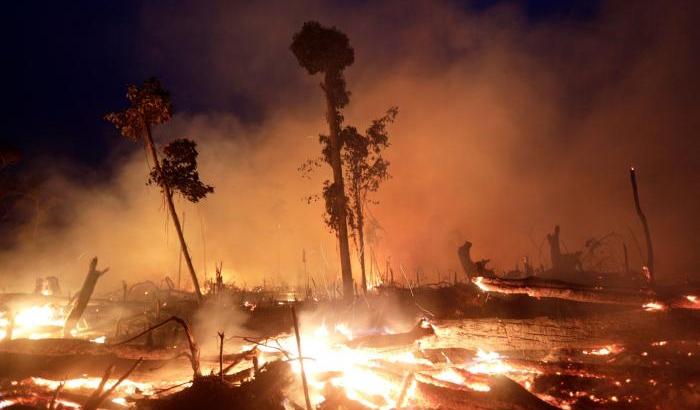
(150, 105)
(326, 50)
(178, 170)
(365, 170)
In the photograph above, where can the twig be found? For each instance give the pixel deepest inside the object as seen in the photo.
(194, 348)
(301, 360)
(98, 397)
(52, 404)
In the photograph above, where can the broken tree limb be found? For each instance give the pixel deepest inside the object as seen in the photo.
(84, 296)
(194, 347)
(93, 403)
(645, 225)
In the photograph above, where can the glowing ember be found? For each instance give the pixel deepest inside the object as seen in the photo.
(604, 351)
(654, 307)
(449, 375)
(127, 387)
(33, 322)
(489, 363)
(480, 283)
(692, 298)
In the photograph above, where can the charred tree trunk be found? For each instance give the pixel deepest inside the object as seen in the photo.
(171, 210)
(554, 249)
(466, 259)
(361, 236)
(84, 296)
(645, 225)
(332, 117)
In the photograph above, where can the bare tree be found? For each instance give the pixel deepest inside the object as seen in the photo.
(365, 170)
(326, 50)
(150, 105)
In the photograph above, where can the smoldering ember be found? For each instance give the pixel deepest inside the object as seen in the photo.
(461, 204)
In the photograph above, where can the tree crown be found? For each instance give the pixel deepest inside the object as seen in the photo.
(178, 170)
(322, 49)
(149, 105)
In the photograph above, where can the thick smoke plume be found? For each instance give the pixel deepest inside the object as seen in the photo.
(506, 127)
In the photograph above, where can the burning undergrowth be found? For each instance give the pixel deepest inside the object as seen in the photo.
(352, 359)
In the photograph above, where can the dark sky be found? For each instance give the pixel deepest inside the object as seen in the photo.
(67, 63)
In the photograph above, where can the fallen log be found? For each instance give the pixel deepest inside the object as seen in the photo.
(542, 333)
(503, 394)
(421, 330)
(551, 288)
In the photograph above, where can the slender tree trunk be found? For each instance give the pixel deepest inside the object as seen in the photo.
(171, 209)
(361, 236)
(341, 206)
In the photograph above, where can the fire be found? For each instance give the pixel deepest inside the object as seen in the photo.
(359, 371)
(33, 322)
(692, 298)
(126, 388)
(489, 363)
(450, 375)
(654, 307)
(99, 340)
(350, 369)
(480, 283)
(604, 351)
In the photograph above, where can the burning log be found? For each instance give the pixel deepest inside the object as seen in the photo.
(551, 288)
(84, 296)
(502, 393)
(421, 330)
(547, 333)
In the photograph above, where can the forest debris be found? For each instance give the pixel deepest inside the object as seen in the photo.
(552, 288)
(84, 296)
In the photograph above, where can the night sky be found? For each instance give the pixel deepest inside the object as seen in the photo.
(67, 64)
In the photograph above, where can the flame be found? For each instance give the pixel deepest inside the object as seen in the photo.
(127, 387)
(604, 351)
(489, 363)
(479, 282)
(33, 322)
(654, 307)
(692, 298)
(450, 375)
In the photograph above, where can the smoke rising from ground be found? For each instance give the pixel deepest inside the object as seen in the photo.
(506, 127)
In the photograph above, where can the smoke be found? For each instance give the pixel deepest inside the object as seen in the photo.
(506, 127)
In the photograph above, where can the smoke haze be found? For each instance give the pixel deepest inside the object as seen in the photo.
(506, 127)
